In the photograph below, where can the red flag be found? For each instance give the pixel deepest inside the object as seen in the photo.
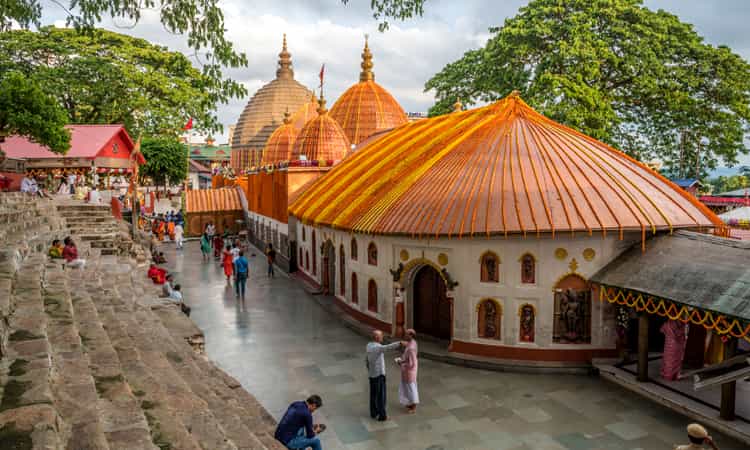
(322, 72)
(188, 125)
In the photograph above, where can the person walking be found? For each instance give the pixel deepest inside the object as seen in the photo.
(240, 277)
(408, 394)
(296, 430)
(178, 235)
(271, 257)
(697, 435)
(205, 247)
(210, 230)
(227, 263)
(376, 372)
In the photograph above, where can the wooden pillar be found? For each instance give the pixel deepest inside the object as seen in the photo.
(643, 347)
(728, 390)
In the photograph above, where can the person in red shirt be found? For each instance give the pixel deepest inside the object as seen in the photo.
(157, 274)
(70, 254)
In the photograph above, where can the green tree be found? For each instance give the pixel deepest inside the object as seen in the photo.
(730, 183)
(26, 110)
(106, 77)
(166, 160)
(638, 79)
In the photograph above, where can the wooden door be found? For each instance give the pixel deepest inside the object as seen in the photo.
(432, 309)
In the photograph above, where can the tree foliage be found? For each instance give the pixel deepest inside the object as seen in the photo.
(395, 9)
(26, 110)
(638, 79)
(728, 183)
(106, 77)
(166, 160)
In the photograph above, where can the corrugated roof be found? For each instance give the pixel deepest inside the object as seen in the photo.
(499, 169)
(198, 167)
(85, 142)
(212, 200)
(692, 269)
(322, 139)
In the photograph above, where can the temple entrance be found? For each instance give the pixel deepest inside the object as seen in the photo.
(329, 268)
(432, 309)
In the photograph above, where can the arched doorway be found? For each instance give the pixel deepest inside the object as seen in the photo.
(432, 309)
(329, 268)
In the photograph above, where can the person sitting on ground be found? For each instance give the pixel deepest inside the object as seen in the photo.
(176, 296)
(697, 435)
(63, 188)
(29, 186)
(160, 259)
(56, 251)
(296, 429)
(70, 254)
(95, 197)
(157, 274)
(166, 288)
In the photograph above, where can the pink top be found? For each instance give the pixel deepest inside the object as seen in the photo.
(409, 363)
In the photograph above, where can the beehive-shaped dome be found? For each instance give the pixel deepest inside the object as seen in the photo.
(321, 139)
(280, 143)
(265, 111)
(367, 108)
(306, 113)
(495, 170)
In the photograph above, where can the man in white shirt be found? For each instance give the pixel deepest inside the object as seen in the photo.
(94, 196)
(178, 235)
(28, 185)
(376, 372)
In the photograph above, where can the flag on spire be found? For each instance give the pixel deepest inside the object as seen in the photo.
(188, 125)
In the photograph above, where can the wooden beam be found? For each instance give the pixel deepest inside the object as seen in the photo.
(643, 347)
(729, 390)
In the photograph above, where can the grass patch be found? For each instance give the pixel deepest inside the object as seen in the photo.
(174, 357)
(13, 439)
(146, 404)
(139, 393)
(12, 393)
(23, 335)
(101, 383)
(157, 437)
(18, 368)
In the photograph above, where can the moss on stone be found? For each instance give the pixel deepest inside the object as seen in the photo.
(23, 335)
(18, 368)
(139, 393)
(12, 393)
(146, 404)
(174, 357)
(14, 439)
(101, 383)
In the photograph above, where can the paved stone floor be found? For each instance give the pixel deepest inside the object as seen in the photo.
(282, 346)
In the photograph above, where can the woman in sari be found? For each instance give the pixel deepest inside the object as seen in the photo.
(170, 229)
(408, 394)
(226, 261)
(218, 246)
(205, 246)
(675, 339)
(162, 228)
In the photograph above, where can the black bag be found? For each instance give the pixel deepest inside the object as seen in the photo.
(185, 309)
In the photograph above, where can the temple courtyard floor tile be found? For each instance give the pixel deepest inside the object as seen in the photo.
(282, 346)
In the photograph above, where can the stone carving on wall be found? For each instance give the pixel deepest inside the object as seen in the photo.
(528, 269)
(572, 316)
(527, 319)
(372, 254)
(396, 274)
(490, 270)
(489, 314)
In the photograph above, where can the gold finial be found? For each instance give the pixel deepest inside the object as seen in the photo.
(322, 105)
(514, 94)
(366, 74)
(285, 62)
(287, 117)
(457, 107)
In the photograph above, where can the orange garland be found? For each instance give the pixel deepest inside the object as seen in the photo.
(719, 323)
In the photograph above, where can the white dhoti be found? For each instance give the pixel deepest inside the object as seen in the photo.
(408, 394)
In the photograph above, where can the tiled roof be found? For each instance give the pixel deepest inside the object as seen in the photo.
(210, 152)
(85, 142)
(499, 169)
(198, 167)
(366, 108)
(210, 200)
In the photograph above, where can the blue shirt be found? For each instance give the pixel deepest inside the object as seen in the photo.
(240, 265)
(296, 417)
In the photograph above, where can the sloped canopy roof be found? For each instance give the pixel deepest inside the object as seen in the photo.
(693, 269)
(86, 141)
(499, 169)
(210, 200)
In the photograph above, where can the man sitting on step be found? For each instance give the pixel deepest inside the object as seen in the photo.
(70, 254)
(296, 430)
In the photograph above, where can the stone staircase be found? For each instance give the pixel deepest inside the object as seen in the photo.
(94, 359)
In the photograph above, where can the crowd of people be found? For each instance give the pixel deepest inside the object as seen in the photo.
(170, 225)
(229, 253)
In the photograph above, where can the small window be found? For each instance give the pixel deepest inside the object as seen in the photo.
(355, 291)
(372, 254)
(342, 271)
(372, 296)
(353, 249)
(528, 269)
(489, 319)
(490, 270)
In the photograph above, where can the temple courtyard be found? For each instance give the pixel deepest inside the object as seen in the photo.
(283, 346)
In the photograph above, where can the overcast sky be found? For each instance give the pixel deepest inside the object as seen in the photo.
(406, 55)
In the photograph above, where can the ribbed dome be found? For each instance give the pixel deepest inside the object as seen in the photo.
(367, 108)
(499, 169)
(322, 139)
(305, 113)
(265, 110)
(280, 143)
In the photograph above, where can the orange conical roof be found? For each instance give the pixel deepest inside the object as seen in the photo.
(367, 108)
(306, 113)
(321, 139)
(280, 143)
(495, 170)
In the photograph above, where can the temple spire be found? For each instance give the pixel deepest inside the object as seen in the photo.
(287, 117)
(458, 107)
(285, 63)
(366, 74)
(322, 105)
